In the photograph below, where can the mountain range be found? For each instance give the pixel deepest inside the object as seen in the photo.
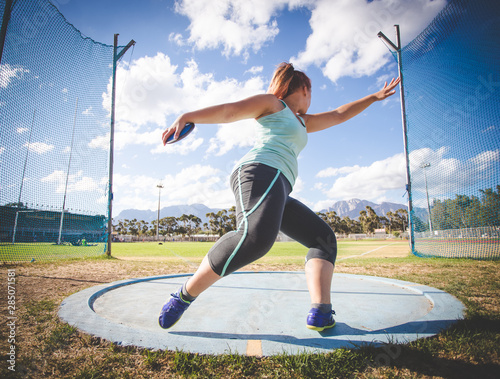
(350, 208)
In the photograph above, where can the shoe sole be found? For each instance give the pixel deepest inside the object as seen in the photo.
(320, 328)
(169, 326)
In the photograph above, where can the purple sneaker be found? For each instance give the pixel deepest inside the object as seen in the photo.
(319, 321)
(173, 310)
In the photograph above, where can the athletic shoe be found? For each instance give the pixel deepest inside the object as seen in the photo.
(319, 321)
(173, 310)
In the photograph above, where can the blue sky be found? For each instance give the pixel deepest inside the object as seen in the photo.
(194, 53)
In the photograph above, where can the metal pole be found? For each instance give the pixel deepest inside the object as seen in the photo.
(5, 22)
(15, 228)
(116, 58)
(26, 159)
(424, 166)
(67, 174)
(22, 179)
(405, 129)
(160, 186)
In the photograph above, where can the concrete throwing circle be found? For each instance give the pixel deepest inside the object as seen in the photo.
(261, 313)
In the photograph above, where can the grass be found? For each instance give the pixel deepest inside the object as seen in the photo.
(25, 252)
(181, 251)
(289, 252)
(46, 347)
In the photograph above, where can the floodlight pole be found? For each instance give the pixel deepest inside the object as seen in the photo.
(116, 57)
(424, 166)
(22, 179)
(160, 186)
(59, 239)
(405, 129)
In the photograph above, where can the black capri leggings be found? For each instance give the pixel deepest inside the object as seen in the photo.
(263, 208)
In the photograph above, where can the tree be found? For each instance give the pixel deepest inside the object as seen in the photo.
(419, 225)
(350, 226)
(121, 227)
(168, 226)
(222, 222)
(142, 228)
(133, 227)
(490, 207)
(400, 221)
(190, 224)
(331, 219)
(388, 225)
(369, 220)
(231, 223)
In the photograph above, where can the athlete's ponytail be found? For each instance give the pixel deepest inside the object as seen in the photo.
(286, 80)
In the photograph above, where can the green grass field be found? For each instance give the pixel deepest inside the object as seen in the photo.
(289, 252)
(41, 251)
(281, 252)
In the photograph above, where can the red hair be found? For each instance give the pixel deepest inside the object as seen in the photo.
(286, 80)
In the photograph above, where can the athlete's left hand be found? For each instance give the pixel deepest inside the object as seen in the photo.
(388, 90)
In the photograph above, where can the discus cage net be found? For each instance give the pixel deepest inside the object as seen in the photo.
(54, 136)
(451, 75)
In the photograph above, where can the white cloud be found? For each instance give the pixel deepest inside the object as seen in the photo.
(255, 70)
(344, 38)
(21, 130)
(9, 73)
(331, 171)
(368, 182)
(183, 147)
(39, 147)
(195, 184)
(489, 129)
(376, 181)
(100, 142)
(447, 174)
(76, 182)
(238, 134)
(2, 149)
(153, 90)
(298, 187)
(236, 25)
(484, 160)
(176, 38)
(88, 112)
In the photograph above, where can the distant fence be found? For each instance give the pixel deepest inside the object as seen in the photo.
(487, 232)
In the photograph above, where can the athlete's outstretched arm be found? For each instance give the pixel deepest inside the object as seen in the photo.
(321, 121)
(252, 107)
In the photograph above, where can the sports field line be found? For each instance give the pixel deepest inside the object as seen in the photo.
(190, 262)
(368, 252)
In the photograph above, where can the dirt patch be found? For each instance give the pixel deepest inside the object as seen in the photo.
(46, 347)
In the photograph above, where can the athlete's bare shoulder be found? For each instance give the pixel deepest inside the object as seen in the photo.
(272, 104)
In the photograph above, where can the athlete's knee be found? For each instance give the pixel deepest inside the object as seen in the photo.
(325, 248)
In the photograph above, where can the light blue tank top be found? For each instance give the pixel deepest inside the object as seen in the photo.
(280, 139)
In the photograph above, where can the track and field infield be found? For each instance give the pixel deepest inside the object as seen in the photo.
(281, 252)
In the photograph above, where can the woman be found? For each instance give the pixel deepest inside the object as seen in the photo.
(262, 181)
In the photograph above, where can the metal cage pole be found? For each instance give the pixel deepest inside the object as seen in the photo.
(116, 58)
(5, 22)
(405, 129)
